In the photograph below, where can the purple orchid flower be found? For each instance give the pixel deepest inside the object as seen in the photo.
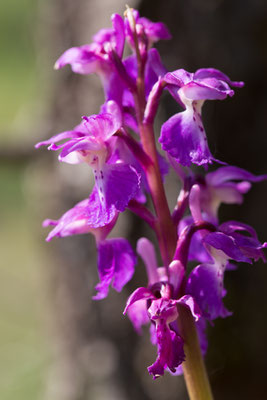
(205, 282)
(116, 262)
(157, 304)
(162, 312)
(116, 258)
(230, 241)
(97, 57)
(225, 185)
(238, 241)
(93, 142)
(228, 237)
(84, 217)
(183, 135)
(125, 171)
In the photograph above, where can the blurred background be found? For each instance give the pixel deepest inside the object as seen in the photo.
(55, 343)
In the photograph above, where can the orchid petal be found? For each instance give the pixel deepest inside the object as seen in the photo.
(116, 261)
(185, 139)
(205, 286)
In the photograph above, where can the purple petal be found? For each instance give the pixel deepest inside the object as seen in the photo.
(146, 251)
(118, 26)
(83, 60)
(250, 247)
(116, 261)
(228, 173)
(177, 354)
(204, 73)
(170, 351)
(137, 313)
(154, 69)
(103, 35)
(142, 293)
(229, 193)
(84, 217)
(100, 215)
(211, 89)
(68, 150)
(179, 78)
(190, 303)
(154, 30)
(205, 84)
(130, 65)
(153, 334)
(230, 227)
(113, 86)
(205, 285)
(104, 125)
(121, 183)
(227, 244)
(185, 139)
(73, 222)
(176, 273)
(154, 62)
(60, 136)
(106, 269)
(163, 308)
(111, 107)
(83, 144)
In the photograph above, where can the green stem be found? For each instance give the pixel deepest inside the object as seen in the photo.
(195, 373)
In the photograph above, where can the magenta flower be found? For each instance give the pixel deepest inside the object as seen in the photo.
(119, 145)
(116, 258)
(84, 217)
(157, 303)
(206, 283)
(97, 57)
(225, 185)
(231, 241)
(215, 247)
(183, 135)
(237, 240)
(116, 262)
(93, 142)
(162, 312)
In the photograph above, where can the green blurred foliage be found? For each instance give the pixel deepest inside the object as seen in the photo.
(18, 75)
(23, 351)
